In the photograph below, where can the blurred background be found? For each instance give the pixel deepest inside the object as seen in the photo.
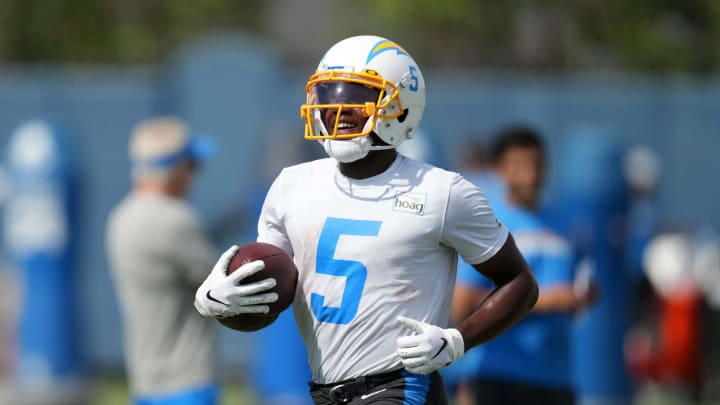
(625, 93)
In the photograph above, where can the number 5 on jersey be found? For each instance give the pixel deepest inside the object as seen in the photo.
(354, 272)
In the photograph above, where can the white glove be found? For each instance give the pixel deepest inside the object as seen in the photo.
(432, 348)
(221, 296)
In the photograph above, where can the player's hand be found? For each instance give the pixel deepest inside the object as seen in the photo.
(221, 295)
(430, 349)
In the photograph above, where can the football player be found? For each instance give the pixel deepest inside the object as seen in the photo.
(375, 236)
(531, 362)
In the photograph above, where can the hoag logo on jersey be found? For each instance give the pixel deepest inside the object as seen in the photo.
(413, 203)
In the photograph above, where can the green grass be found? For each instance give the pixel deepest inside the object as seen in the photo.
(113, 390)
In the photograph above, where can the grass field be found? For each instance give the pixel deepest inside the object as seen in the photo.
(113, 390)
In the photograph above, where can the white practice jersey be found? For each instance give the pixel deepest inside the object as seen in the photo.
(370, 250)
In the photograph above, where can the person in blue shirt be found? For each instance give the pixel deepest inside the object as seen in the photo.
(530, 363)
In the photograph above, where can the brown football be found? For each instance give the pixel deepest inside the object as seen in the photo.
(279, 266)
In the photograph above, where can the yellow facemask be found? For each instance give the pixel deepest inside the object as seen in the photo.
(336, 91)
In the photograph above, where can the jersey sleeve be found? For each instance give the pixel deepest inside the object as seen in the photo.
(271, 224)
(470, 225)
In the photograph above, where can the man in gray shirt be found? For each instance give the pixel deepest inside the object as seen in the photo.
(159, 254)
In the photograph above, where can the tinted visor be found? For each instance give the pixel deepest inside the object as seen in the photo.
(343, 93)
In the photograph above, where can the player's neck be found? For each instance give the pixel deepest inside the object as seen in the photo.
(371, 165)
(526, 204)
(156, 188)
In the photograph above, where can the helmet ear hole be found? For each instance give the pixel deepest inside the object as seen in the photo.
(402, 117)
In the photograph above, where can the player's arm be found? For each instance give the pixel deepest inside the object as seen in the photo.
(563, 291)
(565, 298)
(514, 295)
(471, 288)
(465, 299)
(432, 347)
(559, 298)
(470, 226)
(571, 289)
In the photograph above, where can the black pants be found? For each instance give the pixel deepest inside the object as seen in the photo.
(502, 392)
(395, 387)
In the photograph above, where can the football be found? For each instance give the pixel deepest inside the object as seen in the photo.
(278, 265)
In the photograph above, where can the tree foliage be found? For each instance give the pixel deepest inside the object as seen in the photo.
(642, 35)
(113, 31)
(646, 35)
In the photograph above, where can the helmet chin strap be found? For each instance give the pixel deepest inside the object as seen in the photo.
(382, 147)
(346, 151)
(351, 150)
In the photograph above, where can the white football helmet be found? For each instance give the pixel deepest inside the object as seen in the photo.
(369, 74)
